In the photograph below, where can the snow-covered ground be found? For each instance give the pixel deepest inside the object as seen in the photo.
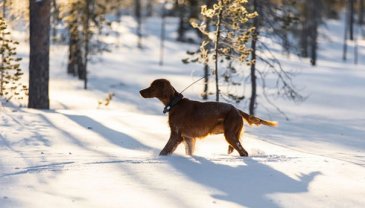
(79, 155)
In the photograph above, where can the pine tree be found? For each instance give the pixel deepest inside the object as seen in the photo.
(10, 72)
(85, 20)
(231, 35)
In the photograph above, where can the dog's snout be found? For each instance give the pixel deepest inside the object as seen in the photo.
(144, 93)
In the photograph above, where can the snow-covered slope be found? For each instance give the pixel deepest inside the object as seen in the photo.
(78, 155)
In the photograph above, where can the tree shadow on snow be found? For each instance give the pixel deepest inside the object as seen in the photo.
(248, 185)
(319, 130)
(115, 137)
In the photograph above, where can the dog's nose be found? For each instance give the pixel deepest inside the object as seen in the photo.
(142, 93)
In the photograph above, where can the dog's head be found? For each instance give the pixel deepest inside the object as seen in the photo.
(160, 88)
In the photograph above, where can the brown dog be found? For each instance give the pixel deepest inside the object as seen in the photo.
(190, 119)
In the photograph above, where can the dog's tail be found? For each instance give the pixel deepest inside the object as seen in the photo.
(252, 120)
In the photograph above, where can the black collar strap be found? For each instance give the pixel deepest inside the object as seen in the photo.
(173, 102)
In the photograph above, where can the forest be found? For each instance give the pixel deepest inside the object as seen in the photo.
(77, 131)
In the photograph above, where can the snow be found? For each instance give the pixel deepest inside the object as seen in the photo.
(79, 155)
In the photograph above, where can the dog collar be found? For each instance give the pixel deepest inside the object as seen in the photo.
(173, 102)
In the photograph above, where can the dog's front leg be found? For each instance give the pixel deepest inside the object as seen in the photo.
(174, 141)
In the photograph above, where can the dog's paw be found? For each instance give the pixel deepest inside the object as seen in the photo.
(230, 149)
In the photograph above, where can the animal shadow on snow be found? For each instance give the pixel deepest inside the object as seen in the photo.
(249, 185)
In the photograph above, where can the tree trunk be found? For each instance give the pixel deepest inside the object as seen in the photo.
(163, 33)
(286, 44)
(216, 47)
(2, 55)
(79, 58)
(39, 26)
(304, 32)
(206, 82)
(351, 23)
(54, 19)
(88, 10)
(4, 9)
(304, 43)
(209, 4)
(149, 8)
(194, 14)
(314, 47)
(139, 22)
(252, 105)
(361, 11)
(356, 51)
(315, 14)
(344, 48)
(72, 64)
(181, 28)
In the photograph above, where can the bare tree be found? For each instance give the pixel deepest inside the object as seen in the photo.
(39, 25)
(273, 23)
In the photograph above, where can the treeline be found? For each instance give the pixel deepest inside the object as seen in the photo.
(291, 23)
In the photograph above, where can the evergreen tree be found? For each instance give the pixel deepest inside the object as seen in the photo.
(85, 20)
(10, 72)
(231, 35)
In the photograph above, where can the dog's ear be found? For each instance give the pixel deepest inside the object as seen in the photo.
(167, 90)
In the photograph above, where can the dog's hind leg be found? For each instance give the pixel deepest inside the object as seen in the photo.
(233, 125)
(230, 149)
(236, 144)
(189, 145)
